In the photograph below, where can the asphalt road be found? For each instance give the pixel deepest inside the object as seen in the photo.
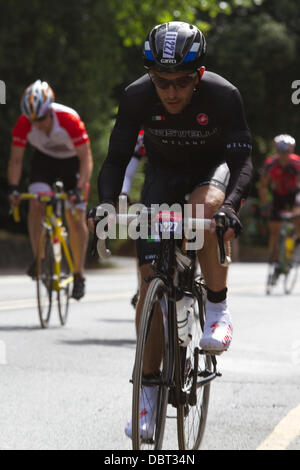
(68, 388)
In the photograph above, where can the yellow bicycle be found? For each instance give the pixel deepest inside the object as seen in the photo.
(54, 264)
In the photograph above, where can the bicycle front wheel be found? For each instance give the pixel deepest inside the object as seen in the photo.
(152, 329)
(192, 415)
(65, 289)
(45, 269)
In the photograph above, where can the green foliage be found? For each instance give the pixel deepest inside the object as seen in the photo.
(135, 18)
(258, 50)
(89, 50)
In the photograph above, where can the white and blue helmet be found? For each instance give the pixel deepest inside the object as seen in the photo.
(36, 100)
(173, 47)
(284, 143)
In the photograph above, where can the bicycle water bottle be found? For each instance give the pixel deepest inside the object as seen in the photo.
(57, 250)
(185, 312)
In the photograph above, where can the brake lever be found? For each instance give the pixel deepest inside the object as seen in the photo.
(220, 231)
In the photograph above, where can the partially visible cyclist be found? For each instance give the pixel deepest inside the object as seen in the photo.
(62, 151)
(195, 129)
(280, 180)
(132, 167)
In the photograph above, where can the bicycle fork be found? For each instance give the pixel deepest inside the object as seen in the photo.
(59, 245)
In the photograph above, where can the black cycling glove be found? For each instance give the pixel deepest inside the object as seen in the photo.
(13, 190)
(77, 192)
(231, 219)
(91, 214)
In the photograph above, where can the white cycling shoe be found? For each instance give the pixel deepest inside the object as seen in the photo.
(148, 404)
(217, 334)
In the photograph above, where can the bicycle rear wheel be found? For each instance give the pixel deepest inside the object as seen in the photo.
(64, 292)
(45, 269)
(274, 269)
(192, 415)
(290, 277)
(153, 319)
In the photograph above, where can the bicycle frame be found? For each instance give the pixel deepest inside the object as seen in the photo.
(166, 269)
(179, 374)
(54, 224)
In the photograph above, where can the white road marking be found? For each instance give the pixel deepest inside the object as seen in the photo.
(286, 431)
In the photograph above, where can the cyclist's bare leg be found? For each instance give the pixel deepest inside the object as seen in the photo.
(214, 274)
(153, 352)
(35, 216)
(78, 236)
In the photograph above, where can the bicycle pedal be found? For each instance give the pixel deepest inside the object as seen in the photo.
(148, 441)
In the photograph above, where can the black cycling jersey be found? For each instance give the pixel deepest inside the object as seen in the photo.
(211, 129)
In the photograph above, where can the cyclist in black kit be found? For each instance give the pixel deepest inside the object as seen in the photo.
(197, 142)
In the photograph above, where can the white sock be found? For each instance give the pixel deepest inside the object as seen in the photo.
(215, 310)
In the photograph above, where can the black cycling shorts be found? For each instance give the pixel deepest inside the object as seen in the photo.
(284, 202)
(45, 169)
(162, 187)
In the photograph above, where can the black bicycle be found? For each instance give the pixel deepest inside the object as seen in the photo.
(185, 373)
(284, 260)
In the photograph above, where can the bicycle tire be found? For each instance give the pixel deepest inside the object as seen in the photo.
(156, 294)
(273, 273)
(191, 419)
(291, 276)
(45, 264)
(63, 294)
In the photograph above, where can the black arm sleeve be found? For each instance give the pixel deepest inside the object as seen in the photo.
(121, 147)
(238, 152)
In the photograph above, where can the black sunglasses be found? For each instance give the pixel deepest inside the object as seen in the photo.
(41, 119)
(180, 82)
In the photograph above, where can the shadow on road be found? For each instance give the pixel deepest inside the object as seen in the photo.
(20, 328)
(119, 343)
(116, 320)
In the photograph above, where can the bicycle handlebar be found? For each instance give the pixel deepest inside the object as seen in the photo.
(192, 223)
(288, 216)
(42, 197)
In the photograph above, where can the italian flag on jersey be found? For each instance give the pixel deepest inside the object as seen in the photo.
(158, 118)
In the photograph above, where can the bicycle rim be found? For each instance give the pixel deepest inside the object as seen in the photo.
(155, 303)
(191, 419)
(290, 278)
(45, 262)
(63, 294)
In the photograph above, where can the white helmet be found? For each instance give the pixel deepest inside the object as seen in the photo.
(284, 143)
(36, 100)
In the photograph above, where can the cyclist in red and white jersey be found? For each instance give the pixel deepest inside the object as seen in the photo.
(280, 177)
(62, 151)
